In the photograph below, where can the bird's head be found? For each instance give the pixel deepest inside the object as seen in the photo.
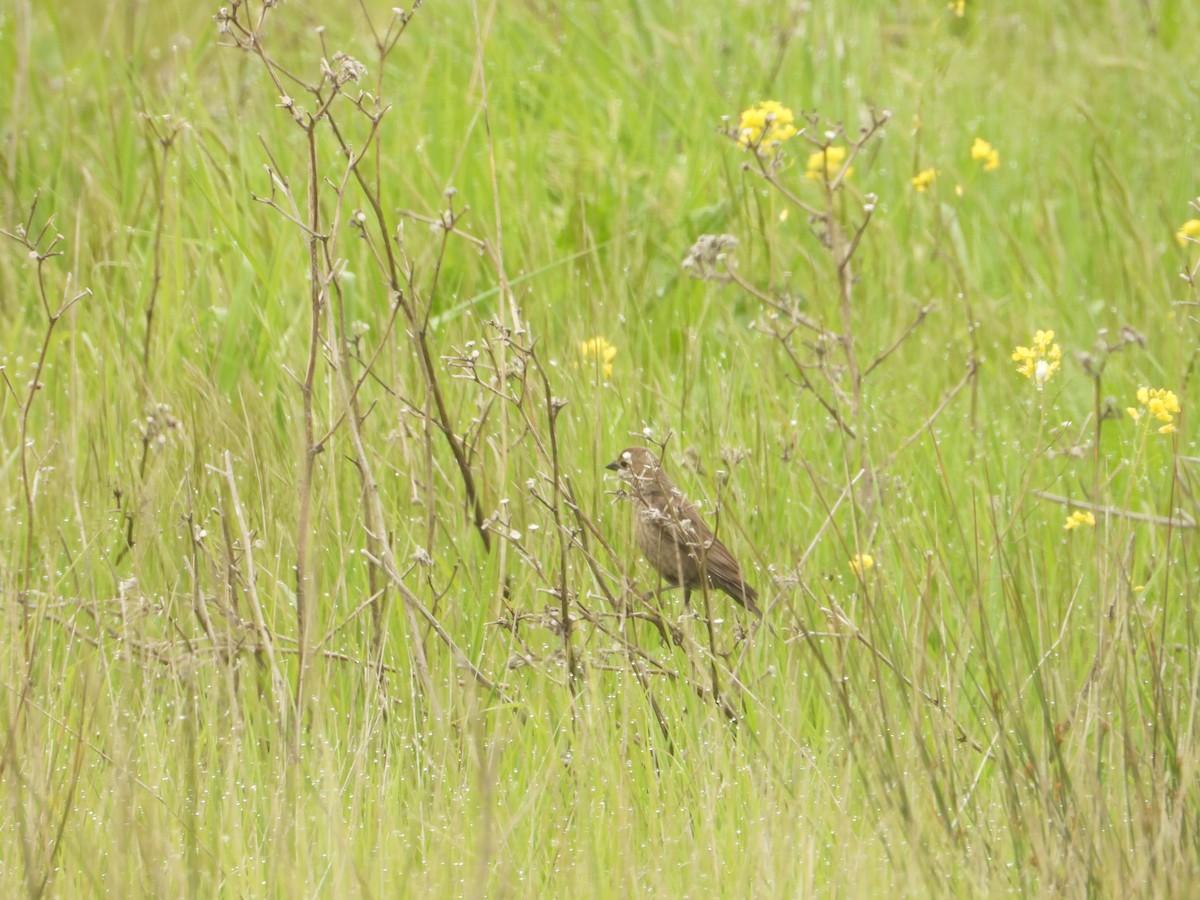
(636, 465)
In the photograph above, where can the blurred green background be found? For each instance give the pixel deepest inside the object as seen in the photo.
(586, 140)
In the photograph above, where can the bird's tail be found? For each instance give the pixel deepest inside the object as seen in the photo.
(742, 593)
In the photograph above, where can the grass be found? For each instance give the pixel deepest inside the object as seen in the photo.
(997, 705)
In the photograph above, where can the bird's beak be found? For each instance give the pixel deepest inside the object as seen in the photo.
(613, 466)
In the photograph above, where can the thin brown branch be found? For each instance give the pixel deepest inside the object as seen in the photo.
(1116, 512)
(921, 314)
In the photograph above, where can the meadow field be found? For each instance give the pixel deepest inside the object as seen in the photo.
(319, 323)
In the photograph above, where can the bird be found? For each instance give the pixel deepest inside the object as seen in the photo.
(673, 537)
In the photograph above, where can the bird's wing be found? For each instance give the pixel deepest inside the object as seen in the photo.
(722, 569)
(681, 521)
(692, 532)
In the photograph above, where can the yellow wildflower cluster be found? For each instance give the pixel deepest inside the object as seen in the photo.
(1159, 403)
(766, 126)
(1040, 361)
(922, 180)
(1080, 518)
(824, 165)
(602, 351)
(862, 562)
(1188, 232)
(982, 151)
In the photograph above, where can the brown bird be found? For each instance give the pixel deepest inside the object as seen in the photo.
(673, 537)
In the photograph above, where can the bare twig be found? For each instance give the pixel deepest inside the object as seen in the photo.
(40, 250)
(278, 690)
(921, 314)
(1183, 521)
(164, 137)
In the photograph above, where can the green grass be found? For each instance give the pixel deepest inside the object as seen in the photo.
(997, 706)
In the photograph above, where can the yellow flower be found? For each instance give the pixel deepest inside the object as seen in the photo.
(824, 165)
(1080, 518)
(861, 563)
(1159, 403)
(601, 350)
(1040, 361)
(959, 7)
(922, 180)
(766, 126)
(1159, 410)
(982, 151)
(1163, 404)
(1189, 232)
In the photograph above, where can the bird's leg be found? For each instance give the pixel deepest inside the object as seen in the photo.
(656, 616)
(658, 592)
(687, 597)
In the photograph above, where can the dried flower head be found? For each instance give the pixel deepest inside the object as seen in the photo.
(705, 257)
(342, 69)
(158, 426)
